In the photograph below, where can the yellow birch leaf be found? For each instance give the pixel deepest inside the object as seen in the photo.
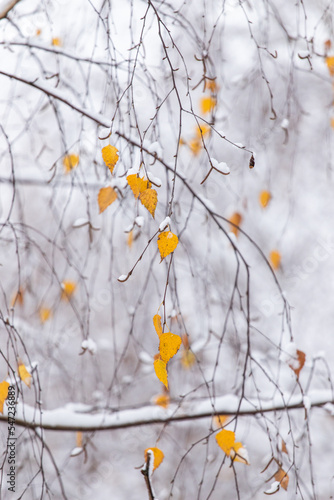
(57, 42)
(110, 156)
(44, 314)
(202, 130)
(70, 162)
(24, 375)
(207, 104)
(161, 371)
(264, 198)
(282, 477)
(220, 420)
(162, 400)
(38, 32)
(157, 324)
(225, 440)
(158, 456)
(169, 345)
(211, 85)
(130, 238)
(188, 359)
(106, 197)
(3, 394)
(137, 184)
(195, 146)
(68, 289)
(18, 298)
(236, 219)
(275, 259)
(167, 242)
(149, 198)
(239, 454)
(330, 64)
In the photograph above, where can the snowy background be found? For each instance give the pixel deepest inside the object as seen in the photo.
(71, 73)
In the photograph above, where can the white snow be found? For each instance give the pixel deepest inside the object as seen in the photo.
(140, 221)
(89, 345)
(285, 123)
(166, 222)
(80, 222)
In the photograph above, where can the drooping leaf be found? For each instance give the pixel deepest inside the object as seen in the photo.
(264, 198)
(68, 289)
(130, 239)
(161, 371)
(24, 375)
(167, 242)
(110, 156)
(282, 477)
(70, 162)
(297, 364)
(18, 298)
(3, 394)
(236, 219)
(44, 314)
(157, 324)
(275, 259)
(207, 104)
(169, 345)
(162, 400)
(106, 197)
(158, 456)
(137, 184)
(149, 198)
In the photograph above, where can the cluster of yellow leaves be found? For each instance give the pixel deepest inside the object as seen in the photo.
(226, 440)
(158, 456)
(275, 259)
(3, 394)
(169, 344)
(235, 220)
(68, 289)
(70, 162)
(264, 198)
(142, 189)
(24, 375)
(167, 242)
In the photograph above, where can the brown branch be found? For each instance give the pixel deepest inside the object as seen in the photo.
(9, 7)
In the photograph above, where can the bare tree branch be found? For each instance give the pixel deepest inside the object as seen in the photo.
(10, 5)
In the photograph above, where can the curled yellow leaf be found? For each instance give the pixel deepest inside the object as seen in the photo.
(149, 198)
(167, 242)
(161, 371)
(106, 197)
(110, 156)
(157, 324)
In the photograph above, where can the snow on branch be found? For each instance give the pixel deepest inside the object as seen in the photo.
(78, 417)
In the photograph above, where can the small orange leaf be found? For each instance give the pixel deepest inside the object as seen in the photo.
(282, 477)
(78, 439)
(68, 289)
(207, 104)
(169, 345)
(195, 146)
(264, 198)
(236, 219)
(157, 324)
(211, 85)
(158, 456)
(275, 259)
(18, 298)
(167, 242)
(220, 420)
(330, 64)
(3, 394)
(149, 198)
(57, 42)
(106, 197)
(70, 162)
(162, 400)
(161, 371)
(203, 129)
(301, 357)
(130, 239)
(44, 314)
(24, 375)
(110, 156)
(137, 184)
